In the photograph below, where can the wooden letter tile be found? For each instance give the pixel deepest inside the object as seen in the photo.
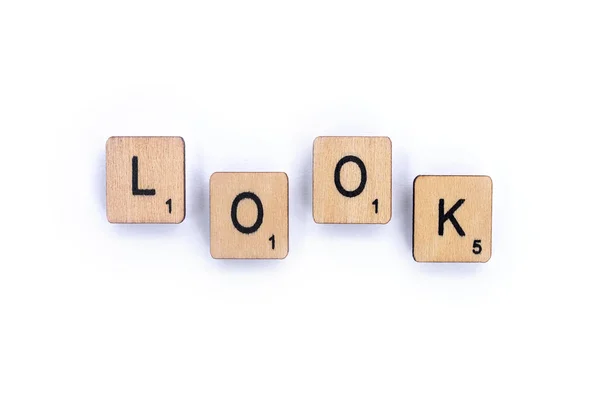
(145, 180)
(452, 218)
(249, 215)
(352, 180)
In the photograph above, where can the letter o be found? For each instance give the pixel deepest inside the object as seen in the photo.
(259, 217)
(363, 176)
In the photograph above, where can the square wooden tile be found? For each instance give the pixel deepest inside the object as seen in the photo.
(452, 218)
(249, 215)
(145, 180)
(352, 180)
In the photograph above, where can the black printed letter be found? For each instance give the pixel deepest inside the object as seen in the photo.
(134, 181)
(363, 176)
(259, 217)
(449, 216)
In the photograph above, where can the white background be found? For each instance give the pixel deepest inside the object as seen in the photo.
(90, 310)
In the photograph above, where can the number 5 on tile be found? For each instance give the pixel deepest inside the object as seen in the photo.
(452, 218)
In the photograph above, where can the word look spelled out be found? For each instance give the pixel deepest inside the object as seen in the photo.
(249, 211)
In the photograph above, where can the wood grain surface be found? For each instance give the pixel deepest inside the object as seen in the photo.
(349, 202)
(249, 193)
(452, 218)
(156, 194)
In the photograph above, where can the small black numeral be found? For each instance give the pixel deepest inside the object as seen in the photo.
(376, 204)
(272, 240)
(169, 203)
(477, 246)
